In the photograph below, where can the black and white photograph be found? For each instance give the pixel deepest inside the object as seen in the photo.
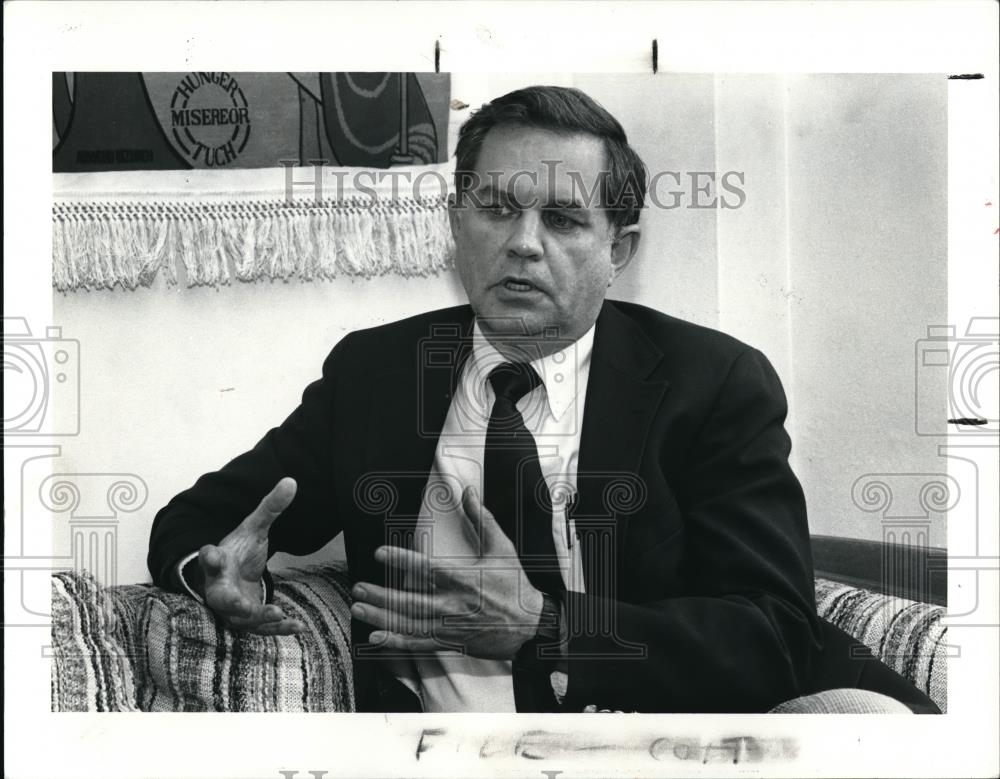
(442, 380)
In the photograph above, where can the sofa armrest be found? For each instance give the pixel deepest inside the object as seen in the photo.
(93, 650)
(155, 650)
(906, 635)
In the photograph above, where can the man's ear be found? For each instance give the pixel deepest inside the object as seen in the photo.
(623, 249)
(454, 215)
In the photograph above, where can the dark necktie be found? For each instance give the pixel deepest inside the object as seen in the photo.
(513, 487)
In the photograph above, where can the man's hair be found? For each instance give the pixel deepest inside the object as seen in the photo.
(562, 110)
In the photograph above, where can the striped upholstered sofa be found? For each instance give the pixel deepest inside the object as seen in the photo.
(140, 648)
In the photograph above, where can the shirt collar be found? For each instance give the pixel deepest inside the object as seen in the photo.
(561, 372)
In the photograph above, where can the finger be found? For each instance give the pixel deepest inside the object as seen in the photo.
(211, 559)
(261, 615)
(407, 560)
(268, 623)
(231, 606)
(258, 615)
(270, 508)
(373, 615)
(391, 621)
(483, 523)
(372, 594)
(228, 600)
(405, 604)
(389, 640)
(284, 627)
(271, 628)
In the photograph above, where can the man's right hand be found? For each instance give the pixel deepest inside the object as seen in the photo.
(231, 573)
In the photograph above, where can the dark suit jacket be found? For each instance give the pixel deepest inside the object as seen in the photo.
(699, 584)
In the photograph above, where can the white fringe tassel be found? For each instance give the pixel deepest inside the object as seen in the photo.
(104, 244)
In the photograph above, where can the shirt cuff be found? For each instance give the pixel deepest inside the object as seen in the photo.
(195, 595)
(560, 683)
(183, 581)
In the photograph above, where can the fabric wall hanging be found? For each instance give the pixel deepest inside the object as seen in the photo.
(212, 176)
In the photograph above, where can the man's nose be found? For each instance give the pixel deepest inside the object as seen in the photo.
(525, 241)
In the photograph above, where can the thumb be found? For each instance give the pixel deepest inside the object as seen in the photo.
(483, 522)
(270, 508)
(212, 560)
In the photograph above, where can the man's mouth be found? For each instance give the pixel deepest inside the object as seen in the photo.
(518, 285)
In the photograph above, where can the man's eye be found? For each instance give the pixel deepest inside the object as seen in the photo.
(497, 209)
(560, 221)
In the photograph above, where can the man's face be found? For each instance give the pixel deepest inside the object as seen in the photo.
(532, 249)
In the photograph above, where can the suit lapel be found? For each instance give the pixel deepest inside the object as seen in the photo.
(409, 405)
(619, 408)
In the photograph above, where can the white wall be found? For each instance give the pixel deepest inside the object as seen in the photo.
(833, 267)
(867, 205)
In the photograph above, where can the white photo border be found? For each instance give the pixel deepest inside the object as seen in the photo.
(943, 37)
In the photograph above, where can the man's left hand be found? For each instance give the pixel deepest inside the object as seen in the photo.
(485, 605)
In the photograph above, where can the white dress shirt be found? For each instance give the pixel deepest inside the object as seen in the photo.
(553, 413)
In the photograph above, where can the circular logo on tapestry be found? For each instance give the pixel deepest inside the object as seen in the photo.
(210, 118)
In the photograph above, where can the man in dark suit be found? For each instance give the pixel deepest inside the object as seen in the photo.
(549, 500)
